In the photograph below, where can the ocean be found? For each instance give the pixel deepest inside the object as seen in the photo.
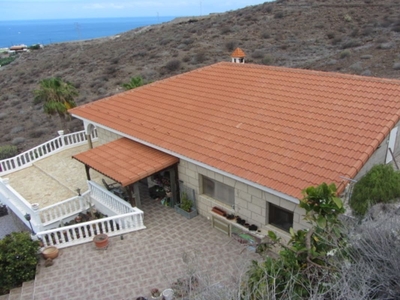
(45, 32)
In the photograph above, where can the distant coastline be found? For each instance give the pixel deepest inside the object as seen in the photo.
(47, 32)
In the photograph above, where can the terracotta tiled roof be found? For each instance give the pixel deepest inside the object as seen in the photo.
(238, 53)
(285, 129)
(126, 161)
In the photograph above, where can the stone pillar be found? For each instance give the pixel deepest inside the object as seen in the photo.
(89, 139)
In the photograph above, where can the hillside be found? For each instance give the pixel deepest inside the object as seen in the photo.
(356, 37)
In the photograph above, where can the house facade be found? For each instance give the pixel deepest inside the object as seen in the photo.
(250, 138)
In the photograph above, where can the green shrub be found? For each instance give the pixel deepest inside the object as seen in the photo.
(351, 44)
(330, 35)
(267, 60)
(345, 53)
(173, 65)
(18, 260)
(7, 60)
(186, 204)
(380, 185)
(34, 47)
(230, 45)
(8, 151)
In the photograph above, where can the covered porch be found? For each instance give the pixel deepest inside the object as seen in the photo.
(127, 162)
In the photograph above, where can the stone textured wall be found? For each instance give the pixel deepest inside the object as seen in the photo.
(250, 203)
(106, 136)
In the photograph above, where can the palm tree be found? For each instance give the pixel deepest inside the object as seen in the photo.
(57, 97)
(134, 83)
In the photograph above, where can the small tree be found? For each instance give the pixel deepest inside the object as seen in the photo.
(303, 266)
(18, 260)
(133, 83)
(57, 97)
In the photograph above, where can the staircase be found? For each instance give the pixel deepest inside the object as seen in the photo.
(25, 292)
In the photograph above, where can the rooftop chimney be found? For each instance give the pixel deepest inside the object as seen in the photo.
(238, 56)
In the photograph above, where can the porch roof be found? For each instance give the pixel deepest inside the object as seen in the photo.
(126, 161)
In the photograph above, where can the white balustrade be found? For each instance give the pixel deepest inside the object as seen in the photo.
(84, 232)
(55, 145)
(104, 200)
(62, 210)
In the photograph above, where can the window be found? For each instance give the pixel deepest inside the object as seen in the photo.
(218, 191)
(280, 217)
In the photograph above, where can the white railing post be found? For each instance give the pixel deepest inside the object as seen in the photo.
(61, 134)
(36, 218)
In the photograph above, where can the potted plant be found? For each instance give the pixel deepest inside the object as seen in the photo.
(3, 210)
(101, 241)
(155, 293)
(186, 208)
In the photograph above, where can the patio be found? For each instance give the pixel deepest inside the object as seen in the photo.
(151, 258)
(135, 263)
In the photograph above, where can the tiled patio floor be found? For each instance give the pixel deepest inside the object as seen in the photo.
(146, 259)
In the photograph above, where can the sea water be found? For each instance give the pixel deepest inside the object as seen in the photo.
(44, 32)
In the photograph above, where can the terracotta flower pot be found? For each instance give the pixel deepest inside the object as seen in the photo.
(101, 241)
(50, 252)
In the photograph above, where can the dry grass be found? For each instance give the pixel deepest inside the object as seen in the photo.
(293, 33)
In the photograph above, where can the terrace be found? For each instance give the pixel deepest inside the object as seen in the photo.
(152, 248)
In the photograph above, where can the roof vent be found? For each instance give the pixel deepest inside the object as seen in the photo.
(238, 56)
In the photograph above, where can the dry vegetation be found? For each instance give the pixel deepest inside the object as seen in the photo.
(357, 37)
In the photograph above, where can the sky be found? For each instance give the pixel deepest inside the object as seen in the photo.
(68, 9)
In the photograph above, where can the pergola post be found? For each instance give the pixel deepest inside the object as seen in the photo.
(137, 194)
(87, 168)
(173, 179)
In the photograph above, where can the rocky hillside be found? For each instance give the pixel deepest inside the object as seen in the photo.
(350, 36)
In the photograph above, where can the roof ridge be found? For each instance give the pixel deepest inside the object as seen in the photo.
(317, 72)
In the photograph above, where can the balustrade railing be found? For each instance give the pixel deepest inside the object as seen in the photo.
(104, 200)
(55, 145)
(57, 212)
(84, 232)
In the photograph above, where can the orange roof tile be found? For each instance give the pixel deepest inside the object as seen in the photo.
(126, 161)
(302, 127)
(238, 53)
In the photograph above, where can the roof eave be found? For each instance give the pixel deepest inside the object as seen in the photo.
(205, 166)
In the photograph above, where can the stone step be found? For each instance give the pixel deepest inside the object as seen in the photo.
(15, 294)
(27, 290)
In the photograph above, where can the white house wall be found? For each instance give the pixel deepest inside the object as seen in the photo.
(250, 203)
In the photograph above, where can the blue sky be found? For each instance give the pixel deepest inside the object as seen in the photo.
(65, 9)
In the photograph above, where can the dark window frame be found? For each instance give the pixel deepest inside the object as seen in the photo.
(280, 217)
